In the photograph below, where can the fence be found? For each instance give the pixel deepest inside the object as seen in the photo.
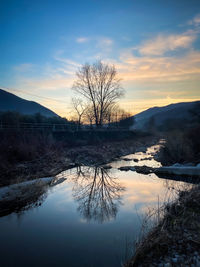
(66, 127)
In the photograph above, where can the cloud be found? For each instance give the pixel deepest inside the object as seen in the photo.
(82, 39)
(164, 43)
(67, 61)
(23, 67)
(159, 69)
(49, 84)
(104, 45)
(147, 70)
(195, 21)
(100, 41)
(105, 42)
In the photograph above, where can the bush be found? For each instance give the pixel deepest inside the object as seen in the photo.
(181, 147)
(22, 146)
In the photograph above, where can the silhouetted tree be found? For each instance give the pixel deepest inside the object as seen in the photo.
(79, 108)
(99, 87)
(97, 193)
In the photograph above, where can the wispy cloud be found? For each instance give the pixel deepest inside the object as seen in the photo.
(82, 39)
(160, 69)
(59, 56)
(165, 43)
(147, 65)
(23, 67)
(195, 21)
(102, 42)
(48, 83)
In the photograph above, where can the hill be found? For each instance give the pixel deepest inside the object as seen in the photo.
(11, 102)
(167, 116)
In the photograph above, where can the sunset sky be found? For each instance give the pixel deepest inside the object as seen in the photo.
(154, 44)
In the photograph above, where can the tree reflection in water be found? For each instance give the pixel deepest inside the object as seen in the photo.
(97, 193)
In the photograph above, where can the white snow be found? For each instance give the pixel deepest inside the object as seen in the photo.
(11, 191)
(180, 169)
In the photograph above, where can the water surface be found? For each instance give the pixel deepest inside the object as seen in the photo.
(90, 219)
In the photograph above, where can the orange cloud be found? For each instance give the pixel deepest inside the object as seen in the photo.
(164, 43)
(159, 69)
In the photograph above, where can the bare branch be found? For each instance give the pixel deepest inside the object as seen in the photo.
(99, 86)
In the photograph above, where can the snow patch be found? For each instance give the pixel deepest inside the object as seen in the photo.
(11, 191)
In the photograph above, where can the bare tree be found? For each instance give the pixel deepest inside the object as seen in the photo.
(79, 108)
(115, 115)
(99, 86)
(97, 192)
(89, 115)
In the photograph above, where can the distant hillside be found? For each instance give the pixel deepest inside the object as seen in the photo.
(161, 117)
(11, 102)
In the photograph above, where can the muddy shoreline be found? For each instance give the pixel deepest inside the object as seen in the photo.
(89, 155)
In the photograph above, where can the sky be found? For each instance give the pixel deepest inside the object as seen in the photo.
(154, 45)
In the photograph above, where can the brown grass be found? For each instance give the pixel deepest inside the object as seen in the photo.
(181, 147)
(178, 228)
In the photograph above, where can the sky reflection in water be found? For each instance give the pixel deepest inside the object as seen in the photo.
(87, 220)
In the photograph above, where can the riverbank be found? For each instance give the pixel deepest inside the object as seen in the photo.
(175, 241)
(56, 161)
(22, 196)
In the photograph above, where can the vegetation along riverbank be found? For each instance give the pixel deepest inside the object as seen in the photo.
(175, 238)
(31, 155)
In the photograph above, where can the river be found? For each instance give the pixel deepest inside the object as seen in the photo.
(90, 219)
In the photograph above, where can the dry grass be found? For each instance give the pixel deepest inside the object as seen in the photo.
(178, 228)
(181, 147)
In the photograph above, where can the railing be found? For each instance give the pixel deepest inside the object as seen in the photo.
(66, 127)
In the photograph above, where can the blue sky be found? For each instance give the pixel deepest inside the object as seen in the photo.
(154, 44)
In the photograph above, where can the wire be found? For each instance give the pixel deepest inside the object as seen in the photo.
(22, 91)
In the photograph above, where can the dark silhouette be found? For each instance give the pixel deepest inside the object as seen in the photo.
(99, 88)
(97, 192)
(11, 102)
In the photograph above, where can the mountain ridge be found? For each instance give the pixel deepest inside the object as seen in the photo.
(160, 115)
(11, 102)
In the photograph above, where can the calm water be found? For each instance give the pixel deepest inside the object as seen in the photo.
(90, 219)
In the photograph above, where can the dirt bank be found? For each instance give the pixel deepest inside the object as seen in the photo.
(53, 163)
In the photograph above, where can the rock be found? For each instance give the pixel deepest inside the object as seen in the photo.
(144, 169)
(135, 160)
(126, 168)
(127, 159)
(106, 167)
(148, 158)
